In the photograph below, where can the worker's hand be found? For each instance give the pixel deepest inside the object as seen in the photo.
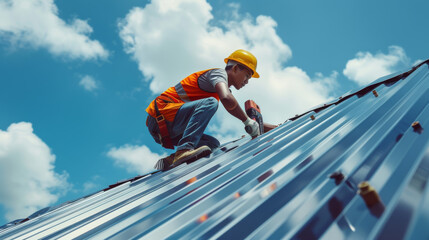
(251, 127)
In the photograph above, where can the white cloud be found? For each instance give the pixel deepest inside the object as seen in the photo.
(327, 82)
(28, 181)
(36, 23)
(417, 62)
(366, 67)
(135, 159)
(170, 41)
(92, 184)
(89, 186)
(88, 83)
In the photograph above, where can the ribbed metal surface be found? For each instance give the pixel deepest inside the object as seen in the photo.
(299, 181)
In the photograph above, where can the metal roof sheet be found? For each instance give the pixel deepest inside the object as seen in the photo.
(298, 181)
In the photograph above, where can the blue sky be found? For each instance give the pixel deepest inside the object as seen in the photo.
(76, 76)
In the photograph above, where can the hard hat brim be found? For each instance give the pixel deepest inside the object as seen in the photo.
(255, 74)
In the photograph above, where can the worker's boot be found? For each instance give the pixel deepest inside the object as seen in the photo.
(190, 155)
(163, 164)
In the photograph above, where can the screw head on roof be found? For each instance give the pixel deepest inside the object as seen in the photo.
(375, 93)
(203, 218)
(417, 127)
(312, 117)
(338, 176)
(368, 194)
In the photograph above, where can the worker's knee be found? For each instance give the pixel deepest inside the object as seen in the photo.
(211, 102)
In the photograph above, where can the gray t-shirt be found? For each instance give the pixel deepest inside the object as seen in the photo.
(209, 79)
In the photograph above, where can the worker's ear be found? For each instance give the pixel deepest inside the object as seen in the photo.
(235, 68)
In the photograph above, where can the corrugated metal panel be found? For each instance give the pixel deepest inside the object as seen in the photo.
(299, 181)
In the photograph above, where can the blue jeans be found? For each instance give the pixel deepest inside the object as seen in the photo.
(187, 130)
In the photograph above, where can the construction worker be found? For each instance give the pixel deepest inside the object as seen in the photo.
(179, 116)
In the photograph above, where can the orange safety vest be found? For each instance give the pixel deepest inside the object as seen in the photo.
(171, 100)
(165, 107)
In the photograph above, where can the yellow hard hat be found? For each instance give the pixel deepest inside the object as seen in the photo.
(246, 58)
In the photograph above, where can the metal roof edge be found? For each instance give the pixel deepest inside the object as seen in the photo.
(396, 77)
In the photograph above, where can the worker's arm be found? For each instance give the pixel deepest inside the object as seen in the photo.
(231, 105)
(229, 102)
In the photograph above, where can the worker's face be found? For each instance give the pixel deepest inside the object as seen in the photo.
(242, 76)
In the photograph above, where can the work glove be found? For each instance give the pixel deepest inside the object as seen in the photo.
(251, 127)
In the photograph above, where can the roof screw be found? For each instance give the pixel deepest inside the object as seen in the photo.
(375, 93)
(417, 127)
(338, 176)
(368, 193)
(312, 117)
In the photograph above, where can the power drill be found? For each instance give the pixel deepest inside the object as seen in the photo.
(254, 112)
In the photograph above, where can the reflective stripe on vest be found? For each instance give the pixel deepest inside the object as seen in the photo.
(181, 92)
